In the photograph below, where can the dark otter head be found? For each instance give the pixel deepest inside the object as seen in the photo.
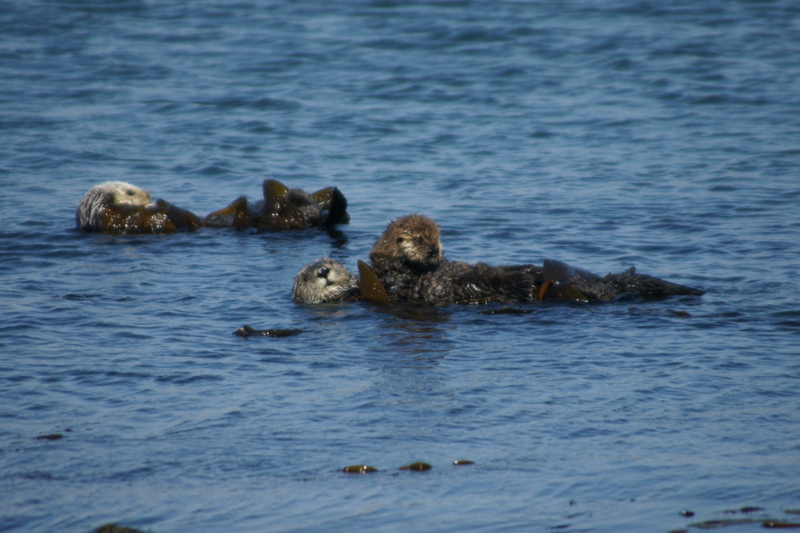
(413, 240)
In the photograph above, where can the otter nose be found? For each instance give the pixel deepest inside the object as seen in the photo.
(322, 272)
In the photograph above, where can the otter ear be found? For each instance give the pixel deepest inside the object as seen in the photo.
(371, 287)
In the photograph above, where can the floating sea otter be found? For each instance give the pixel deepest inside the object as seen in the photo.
(323, 281)
(326, 280)
(409, 263)
(284, 208)
(122, 208)
(408, 259)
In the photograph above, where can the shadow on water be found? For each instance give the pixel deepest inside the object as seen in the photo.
(420, 332)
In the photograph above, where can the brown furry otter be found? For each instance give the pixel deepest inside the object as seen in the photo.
(283, 208)
(409, 260)
(122, 208)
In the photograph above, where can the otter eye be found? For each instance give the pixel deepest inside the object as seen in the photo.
(130, 193)
(417, 240)
(399, 239)
(323, 272)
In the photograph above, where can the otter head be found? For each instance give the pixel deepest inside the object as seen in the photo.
(414, 239)
(102, 198)
(125, 193)
(325, 280)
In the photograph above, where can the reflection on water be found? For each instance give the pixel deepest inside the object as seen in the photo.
(421, 332)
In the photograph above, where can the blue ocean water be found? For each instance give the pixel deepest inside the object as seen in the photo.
(604, 134)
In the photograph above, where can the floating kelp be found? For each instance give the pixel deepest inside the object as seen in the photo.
(283, 208)
(359, 469)
(779, 524)
(247, 331)
(116, 528)
(767, 523)
(52, 436)
(417, 467)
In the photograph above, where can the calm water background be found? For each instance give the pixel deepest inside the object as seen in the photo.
(664, 135)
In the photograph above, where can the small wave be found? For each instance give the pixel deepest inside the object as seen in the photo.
(183, 379)
(262, 104)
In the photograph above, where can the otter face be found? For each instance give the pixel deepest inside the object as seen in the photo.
(418, 241)
(102, 198)
(125, 193)
(325, 280)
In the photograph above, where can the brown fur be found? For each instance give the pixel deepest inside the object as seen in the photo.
(409, 260)
(410, 243)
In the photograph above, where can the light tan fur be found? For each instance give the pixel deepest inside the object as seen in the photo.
(325, 280)
(89, 214)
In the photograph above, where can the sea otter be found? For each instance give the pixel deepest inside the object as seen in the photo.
(409, 260)
(122, 208)
(408, 265)
(283, 208)
(555, 281)
(328, 281)
(324, 281)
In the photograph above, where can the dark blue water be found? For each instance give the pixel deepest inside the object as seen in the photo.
(603, 134)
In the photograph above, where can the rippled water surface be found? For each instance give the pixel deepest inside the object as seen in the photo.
(603, 134)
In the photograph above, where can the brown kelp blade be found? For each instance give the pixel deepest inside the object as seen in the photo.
(323, 197)
(234, 215)
(334, 204)
(274, 193)
(180, 218)
(285, 208)
(371, 287)
(557, 278)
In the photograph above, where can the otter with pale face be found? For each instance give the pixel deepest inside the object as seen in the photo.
(122, 208)
(100, 198)
(324, 281)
